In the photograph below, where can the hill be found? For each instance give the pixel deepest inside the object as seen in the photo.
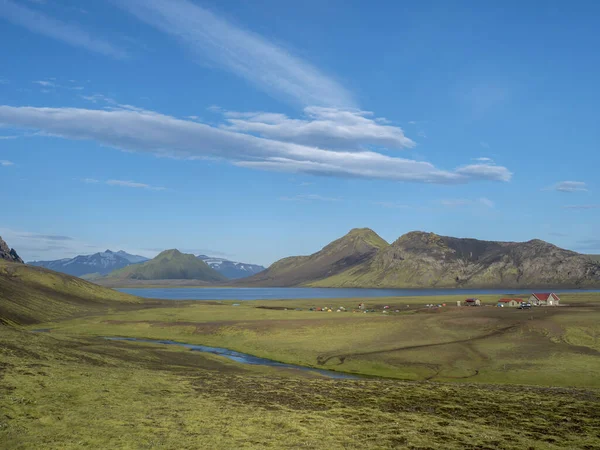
(231, 269)
(426, 260)
(7, 253)
(422, 260)
(169, 265)
(359, 246)
(30, 295)
(101, 263)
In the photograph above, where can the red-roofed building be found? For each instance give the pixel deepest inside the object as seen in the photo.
(544, 299)
(472, 302)
(512, 302)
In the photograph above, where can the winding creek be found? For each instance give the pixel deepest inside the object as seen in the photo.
(242, 358)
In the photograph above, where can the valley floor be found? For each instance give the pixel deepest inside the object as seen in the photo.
(481, 377)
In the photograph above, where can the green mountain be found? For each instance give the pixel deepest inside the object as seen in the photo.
(358, 246)
(30, 295)
(426, 260)
(169, 265)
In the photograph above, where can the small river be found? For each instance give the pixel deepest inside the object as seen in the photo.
(243, 358)
(241, 294)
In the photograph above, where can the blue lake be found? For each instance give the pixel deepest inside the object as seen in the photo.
(241, 294)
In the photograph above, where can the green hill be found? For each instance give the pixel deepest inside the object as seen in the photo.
(30, 295)
(356, 247)
(169, 265)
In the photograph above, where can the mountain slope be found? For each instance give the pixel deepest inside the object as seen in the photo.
(7, 253)
(31, 295)
(99, 263)
(169, 265)
(421, 260)
(355, 248)
(595, 258)
(231, 269)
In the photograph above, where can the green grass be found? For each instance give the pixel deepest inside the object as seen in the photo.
(544, 346)
(31, 295)
(60, 392)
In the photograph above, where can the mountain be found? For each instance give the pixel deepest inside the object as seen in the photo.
(231, 269)
(30, 295)
(8, 254)
(169, 265)
(595, 258)
(99, 263)
(357, 247)
(427, 260)
(424, 260)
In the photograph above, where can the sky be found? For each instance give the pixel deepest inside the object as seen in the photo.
(259, 130)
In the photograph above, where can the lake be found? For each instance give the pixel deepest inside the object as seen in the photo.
(241, 294)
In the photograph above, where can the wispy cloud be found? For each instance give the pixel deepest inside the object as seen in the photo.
(569, 187)
(95, 98)
(90, 180)
(310, 197)
(5, 163)
(582, 207)
(460, 202)
(45, 83)
(133, 184)
(270, 67)
(323, 127)
(38, 22)
(146, 131)
(484, 159)
(392, 205)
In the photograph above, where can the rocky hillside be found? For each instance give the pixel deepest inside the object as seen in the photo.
(427, 260)
(8, 254)
(355, 248)
(169, 265)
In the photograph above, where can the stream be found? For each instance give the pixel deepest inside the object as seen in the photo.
(242, 358)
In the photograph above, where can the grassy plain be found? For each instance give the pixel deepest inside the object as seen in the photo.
(474, 378)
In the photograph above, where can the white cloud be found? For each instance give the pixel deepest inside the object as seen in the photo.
(323, 127)
(37, 22)
(133, 184)
(309, 197)
(5, 163)
(460, 202)
(570, 186)
(582, 207)
(95, 98)
(392, 205)
(90, 180)
(484, 159)
(162, 135)
(248, 55)
(45, 83)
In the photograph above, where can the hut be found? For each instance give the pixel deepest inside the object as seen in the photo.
(511, 302)
(472, 302)
(545, 299)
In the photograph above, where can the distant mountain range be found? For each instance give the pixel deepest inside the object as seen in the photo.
(231, 269)
(99, 263)
(169, 265)
(427, 260)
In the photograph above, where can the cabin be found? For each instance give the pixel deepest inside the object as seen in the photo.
(546, 299)
(510, 302)
(472, 302)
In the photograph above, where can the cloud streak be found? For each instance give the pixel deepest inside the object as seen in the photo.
(569, 186)
(162, 135)
(244, 53)
(310, 197)
(460, 202)
(40, 23)
(582, 207)
(323, 127)
(5, 163)
(134, 185)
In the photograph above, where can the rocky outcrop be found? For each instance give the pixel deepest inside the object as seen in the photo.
(8, 254)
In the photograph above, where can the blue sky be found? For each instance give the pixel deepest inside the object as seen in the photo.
(258, 130)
